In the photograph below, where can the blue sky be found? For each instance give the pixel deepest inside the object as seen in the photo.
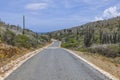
(50, 15)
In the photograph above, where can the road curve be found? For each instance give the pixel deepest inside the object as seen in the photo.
(54, 63)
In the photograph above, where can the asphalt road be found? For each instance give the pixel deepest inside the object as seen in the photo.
(54, 63)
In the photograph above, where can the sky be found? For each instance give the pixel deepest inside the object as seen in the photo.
(51, 15)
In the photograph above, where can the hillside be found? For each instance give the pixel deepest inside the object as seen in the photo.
(13, 43)
(97, 37)
(13, 31)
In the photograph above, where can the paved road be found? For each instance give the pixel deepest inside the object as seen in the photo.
(54, 63)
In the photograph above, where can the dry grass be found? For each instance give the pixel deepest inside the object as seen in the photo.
(9, 53)
(108, 64)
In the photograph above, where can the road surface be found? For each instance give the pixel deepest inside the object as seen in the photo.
(54, 63)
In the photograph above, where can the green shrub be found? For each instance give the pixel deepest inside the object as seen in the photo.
(96, 39)
(45, 38)
(8, 37)
(34, 42)
(69, 45)
(22, 41)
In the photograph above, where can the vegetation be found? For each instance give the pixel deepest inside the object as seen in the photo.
(102, 37)
(22, 40)
(14, 43)
(8, 37)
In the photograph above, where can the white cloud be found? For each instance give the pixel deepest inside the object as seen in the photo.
(109, 13)
(36, 6)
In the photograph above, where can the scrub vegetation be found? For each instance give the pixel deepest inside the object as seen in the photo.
(13, 43)
(100, 37)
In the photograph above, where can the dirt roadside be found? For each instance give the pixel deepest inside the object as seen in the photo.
(102, 62)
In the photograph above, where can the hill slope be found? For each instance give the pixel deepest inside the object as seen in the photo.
(14, 44)
(98, 37)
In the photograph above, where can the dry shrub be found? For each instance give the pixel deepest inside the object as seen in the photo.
(105, 51)
(8, 52)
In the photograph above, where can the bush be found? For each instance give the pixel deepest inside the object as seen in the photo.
(45, 38)
(34, 42)
(22, 41)
(105, 52)
(69, 45)
(8, 37)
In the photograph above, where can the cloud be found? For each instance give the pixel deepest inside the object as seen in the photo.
(109, 13)
(36, 6)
